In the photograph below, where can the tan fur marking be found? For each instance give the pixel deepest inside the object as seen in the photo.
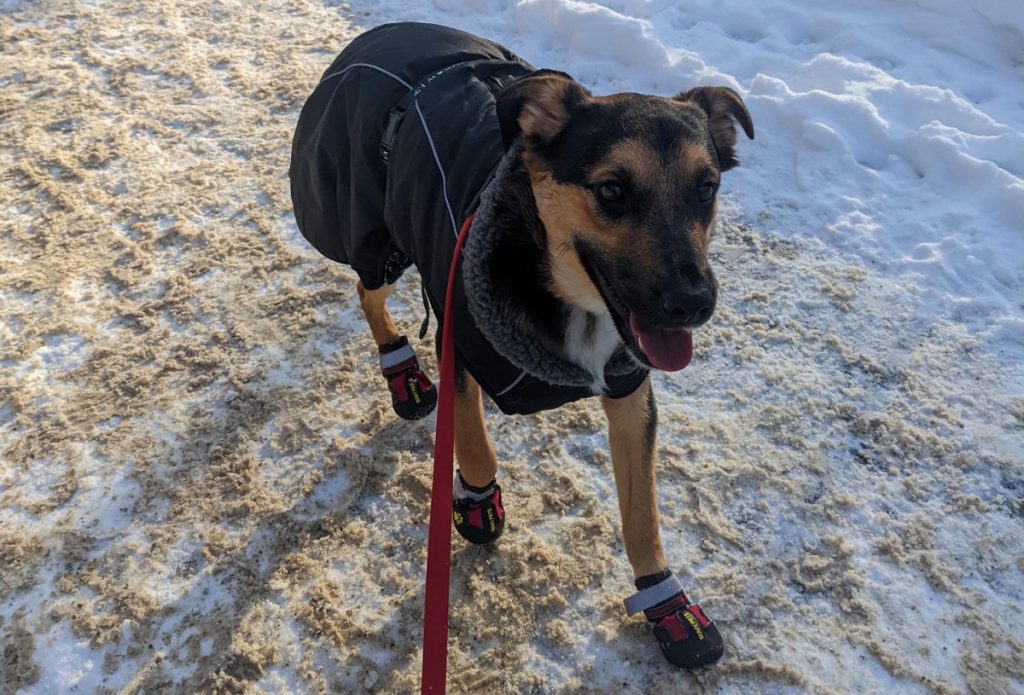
(697, 165)
(477, 462)
(634, 156)
(564, 210)
(375, 309)
(633, 463)
(700, 237)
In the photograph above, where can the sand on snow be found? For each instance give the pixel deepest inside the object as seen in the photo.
(203, 488)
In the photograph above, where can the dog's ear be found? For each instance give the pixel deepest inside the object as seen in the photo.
(723, 107)
(544, 102)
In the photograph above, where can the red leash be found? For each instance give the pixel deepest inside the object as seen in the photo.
(439, 540)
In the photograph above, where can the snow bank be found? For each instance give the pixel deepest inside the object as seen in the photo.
(889, 132)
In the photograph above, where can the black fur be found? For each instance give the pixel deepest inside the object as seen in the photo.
(523, 271)
(594, 129)
(651, 424)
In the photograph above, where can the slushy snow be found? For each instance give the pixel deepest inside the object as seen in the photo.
(203, 487)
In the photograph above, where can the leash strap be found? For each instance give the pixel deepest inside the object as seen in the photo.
(439, 540)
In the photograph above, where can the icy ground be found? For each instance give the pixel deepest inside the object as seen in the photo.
(202, 486)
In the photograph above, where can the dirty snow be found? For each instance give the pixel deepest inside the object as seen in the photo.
(202, 486)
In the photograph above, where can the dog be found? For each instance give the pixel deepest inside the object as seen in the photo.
(585, 263)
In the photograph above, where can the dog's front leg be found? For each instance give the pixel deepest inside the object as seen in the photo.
(632, 427)
(687, 637)
(477, 509)
(477, 462)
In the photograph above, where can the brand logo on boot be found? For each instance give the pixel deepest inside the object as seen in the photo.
(693, 621)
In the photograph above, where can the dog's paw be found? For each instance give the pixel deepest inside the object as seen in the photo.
(688, 638)
(479, 516)
(413, 395)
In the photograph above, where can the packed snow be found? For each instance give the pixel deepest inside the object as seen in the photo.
(202, 485)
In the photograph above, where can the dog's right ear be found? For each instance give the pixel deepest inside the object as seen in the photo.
(544, 101)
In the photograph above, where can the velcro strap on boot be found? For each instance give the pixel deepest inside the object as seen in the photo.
(388, 360)
(653, 595)
(459, 491)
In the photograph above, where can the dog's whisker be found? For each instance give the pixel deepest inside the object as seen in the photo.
(562, 249)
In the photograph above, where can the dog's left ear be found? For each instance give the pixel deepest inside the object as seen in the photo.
(544, 101)
(723, 107)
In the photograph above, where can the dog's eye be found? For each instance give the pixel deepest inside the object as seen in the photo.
(610, 191)
(706, 191)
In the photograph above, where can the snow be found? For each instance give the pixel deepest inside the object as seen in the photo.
(892, 132)
(202, 486)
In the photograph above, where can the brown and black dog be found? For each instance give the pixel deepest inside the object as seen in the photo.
(605, 213)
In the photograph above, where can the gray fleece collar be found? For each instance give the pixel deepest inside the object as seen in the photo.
(501, 321)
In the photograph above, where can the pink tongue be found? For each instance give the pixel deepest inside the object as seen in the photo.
(667, 349)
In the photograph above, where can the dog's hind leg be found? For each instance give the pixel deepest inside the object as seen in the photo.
(687, 637)
(477, 511)
(413, 396)
(375, 309)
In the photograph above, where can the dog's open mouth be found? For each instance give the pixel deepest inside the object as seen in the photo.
(668, 348)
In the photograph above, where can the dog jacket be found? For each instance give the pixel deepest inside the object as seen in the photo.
(391, 154)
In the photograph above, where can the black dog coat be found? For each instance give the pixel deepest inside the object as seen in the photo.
(391, 153)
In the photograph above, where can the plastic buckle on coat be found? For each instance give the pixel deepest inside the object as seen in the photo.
(387, 141)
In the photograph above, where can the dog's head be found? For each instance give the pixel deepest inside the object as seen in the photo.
(626, 186)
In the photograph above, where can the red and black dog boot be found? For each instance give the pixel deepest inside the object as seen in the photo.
(688, 638)
(413, 395)
(477, 512)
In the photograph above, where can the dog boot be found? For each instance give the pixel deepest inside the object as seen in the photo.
(477, 511)
(687, 637)
(413, 396)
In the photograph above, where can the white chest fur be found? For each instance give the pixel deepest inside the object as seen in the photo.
(590, 341)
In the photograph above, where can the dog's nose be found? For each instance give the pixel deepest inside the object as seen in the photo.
(686, 306)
